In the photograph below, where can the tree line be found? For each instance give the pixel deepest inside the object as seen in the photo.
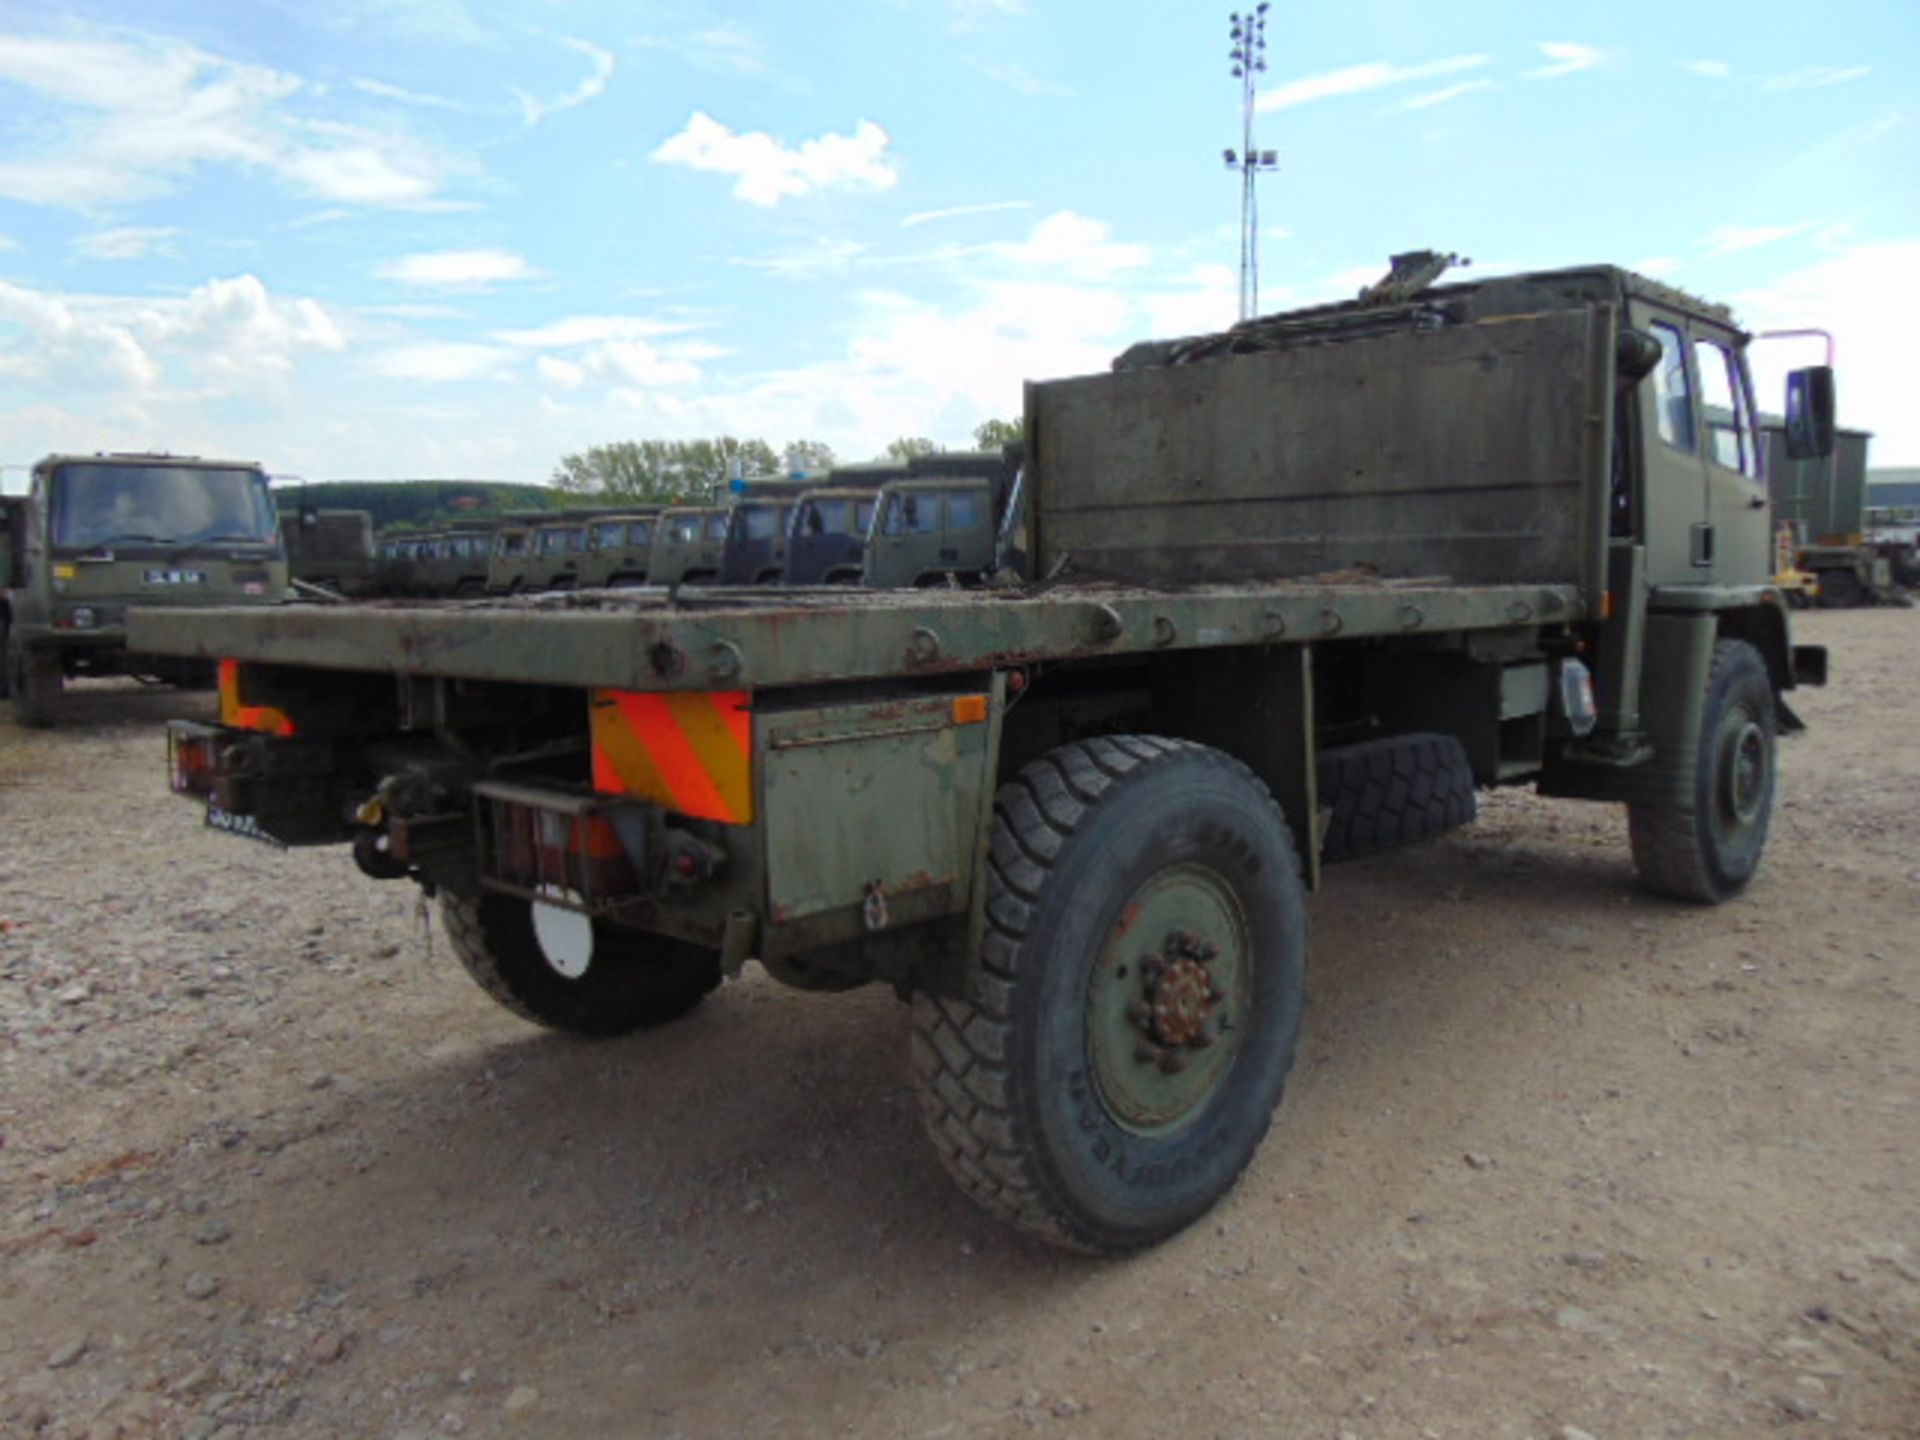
(661, 471)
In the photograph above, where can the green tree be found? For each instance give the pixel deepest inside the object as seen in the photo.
(906, 448)
(657, 471)
(993, 434)
(815, 455)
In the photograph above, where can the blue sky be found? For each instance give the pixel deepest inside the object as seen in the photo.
(371, 238)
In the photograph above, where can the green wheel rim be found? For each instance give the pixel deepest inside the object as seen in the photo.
(1168, 999)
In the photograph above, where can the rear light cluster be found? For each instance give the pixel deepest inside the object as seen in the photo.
(193, 758)
(588, 851)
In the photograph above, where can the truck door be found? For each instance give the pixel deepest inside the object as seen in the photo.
(1740, 522)
(1674, 512)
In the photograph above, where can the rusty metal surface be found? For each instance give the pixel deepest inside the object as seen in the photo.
(646, 640)
(1464, 450)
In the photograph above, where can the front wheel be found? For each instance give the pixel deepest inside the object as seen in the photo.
(1708, 849)
(560, 969)
(33, 683)
(1133, 1010)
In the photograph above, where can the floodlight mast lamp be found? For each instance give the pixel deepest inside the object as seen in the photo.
(1249, 57)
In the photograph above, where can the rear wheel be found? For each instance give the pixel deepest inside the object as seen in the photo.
(1841, 590)
(560, 969)
(1382, 794)
(1708, 849)
(33, 683)
(1133, 1011)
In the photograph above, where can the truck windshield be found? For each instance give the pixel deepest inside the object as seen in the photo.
(161, 504)
(717, 526)
(833, 517)
(760, 521)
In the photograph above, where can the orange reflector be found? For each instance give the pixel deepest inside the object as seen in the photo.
(264, 718)
(688, 751)
(969, 709)
(1606, 604)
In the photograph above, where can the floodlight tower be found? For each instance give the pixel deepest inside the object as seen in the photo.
(1249, 57)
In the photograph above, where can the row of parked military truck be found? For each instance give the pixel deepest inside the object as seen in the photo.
(923, 521)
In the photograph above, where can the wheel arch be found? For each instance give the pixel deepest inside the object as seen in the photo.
(1765, 627)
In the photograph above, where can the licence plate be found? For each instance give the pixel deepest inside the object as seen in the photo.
(242, 825)
(176, 577)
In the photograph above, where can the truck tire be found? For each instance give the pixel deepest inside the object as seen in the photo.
(1136, 999)
(33, 683)
(633, 981)
(1382, 794)
(1707, 850)
(1841, 590)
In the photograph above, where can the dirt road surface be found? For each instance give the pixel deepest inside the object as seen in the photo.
(1558, 1161)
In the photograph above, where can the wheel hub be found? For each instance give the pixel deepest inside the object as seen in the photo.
(1746, 773)
(1178, 999)
(1166, 999)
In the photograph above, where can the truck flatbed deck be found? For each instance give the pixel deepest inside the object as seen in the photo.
(750, 638)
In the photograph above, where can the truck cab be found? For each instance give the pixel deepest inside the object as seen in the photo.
(828, 539)
(554, 552)
(619, 548)
(97, 533)
(331, 549)
(456, 562)
(687, 540)
(926, 530)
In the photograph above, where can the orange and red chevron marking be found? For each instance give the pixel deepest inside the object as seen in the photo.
(689, 751)
(263, 718)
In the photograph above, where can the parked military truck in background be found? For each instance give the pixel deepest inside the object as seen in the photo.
(1824, 501)
(331, 550)
(687, 541)
(754, 551)
(95, 534)
(455, 561)
(1295, 590)
(827, 543)
(619, 547)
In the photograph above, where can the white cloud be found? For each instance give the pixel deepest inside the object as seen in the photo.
(1731, 239)
(1566, 57)
(1357, 79)
(590, 88)
(226, 337)
(457, 269)
(123, 120)
(380, 90)
(440, 361)
(1442, 96)
(1019, 79)
(1656, 266)
(1847, 295)
(1072, 244)
(7, 242)
(129, 242)
(727, 49)
(1814, 77)
(954, 212)
(591, 330)
(821, 258)
(1708, 69)
(767, 170)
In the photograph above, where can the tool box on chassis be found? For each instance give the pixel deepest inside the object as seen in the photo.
(1302, 586)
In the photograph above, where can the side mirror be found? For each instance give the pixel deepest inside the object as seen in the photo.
(1810, 412)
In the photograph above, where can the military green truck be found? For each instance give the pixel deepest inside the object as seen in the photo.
(97, 533)
(454, 561)
(754, 551)
(619, 548)
(827, 544)
(1823, 499)
(331, 550)
(687, 541)
(1297, 589)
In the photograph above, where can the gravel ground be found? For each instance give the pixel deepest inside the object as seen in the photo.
(1559, 1160)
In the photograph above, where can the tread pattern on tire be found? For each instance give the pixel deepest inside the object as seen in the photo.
(1385, 793)
(1663, 838)
(677, 988)
(959, 1048)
